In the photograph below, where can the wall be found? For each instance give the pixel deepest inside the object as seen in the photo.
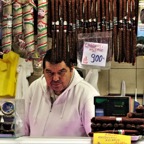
(110, 80)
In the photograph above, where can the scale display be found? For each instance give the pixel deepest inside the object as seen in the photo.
(111, 105)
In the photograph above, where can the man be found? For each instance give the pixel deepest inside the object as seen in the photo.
(60, 102)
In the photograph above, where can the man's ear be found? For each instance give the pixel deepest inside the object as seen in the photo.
(72, 67)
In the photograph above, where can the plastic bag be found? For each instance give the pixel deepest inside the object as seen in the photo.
(96, 37)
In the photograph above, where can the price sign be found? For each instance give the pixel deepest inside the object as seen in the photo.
(107, 138)
(94, 53)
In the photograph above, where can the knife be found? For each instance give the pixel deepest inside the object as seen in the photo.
(123, 88)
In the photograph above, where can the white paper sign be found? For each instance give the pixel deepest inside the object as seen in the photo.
(94, 53)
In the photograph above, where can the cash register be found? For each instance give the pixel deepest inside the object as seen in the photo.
(112, 105)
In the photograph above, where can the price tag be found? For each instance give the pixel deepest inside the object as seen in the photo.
(107, 138)
(94, 53)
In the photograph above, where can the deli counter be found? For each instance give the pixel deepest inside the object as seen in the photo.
(12, 125)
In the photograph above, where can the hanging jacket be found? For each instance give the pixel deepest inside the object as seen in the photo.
(69, 115)
(24, 70)
(8, 74)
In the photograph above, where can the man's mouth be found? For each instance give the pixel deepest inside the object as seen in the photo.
(56, 84)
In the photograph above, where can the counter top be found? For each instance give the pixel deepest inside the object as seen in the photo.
(53, 140)
(56, 140)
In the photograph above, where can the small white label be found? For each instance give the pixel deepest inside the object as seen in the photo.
(118, 119)
(94, 53)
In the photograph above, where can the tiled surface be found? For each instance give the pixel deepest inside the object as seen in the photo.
(140, 81)
(110, 79)
(132, 75)
(116, 78)
(103, 82)
(140, 62)
(122, 65)
(32, 78)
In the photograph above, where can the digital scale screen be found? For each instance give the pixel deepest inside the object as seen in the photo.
(111, 105)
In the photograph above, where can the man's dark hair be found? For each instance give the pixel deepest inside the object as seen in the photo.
(142, 16)
(51, 58)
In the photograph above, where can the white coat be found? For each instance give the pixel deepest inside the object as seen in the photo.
(70, 114)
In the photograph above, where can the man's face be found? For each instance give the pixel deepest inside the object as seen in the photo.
(57, 76)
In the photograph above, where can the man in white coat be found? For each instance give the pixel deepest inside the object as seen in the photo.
(60, 102)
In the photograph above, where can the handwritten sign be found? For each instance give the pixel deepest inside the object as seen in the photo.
(107, 138)
(94, 53)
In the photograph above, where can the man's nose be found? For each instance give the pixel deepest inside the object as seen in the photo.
(55, 77)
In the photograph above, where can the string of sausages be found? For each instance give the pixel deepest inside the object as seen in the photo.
(88, 16)
(61, 27)
(65, 48)
(120, 32)
(124, 29)
(131, 124)
(72, 50)
(134, 14)
(7, 26)
(108, 124)
(42, 27)
(57, 27)
(63, 20)
(28, 28)
(115, 30)
(53, 22)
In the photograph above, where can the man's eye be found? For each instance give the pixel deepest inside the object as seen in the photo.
(49, 73)
(62, 72)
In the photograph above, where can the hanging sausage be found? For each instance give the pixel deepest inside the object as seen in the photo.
(7, 26)
(42, 40)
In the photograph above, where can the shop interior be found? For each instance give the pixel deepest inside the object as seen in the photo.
(28, 28)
